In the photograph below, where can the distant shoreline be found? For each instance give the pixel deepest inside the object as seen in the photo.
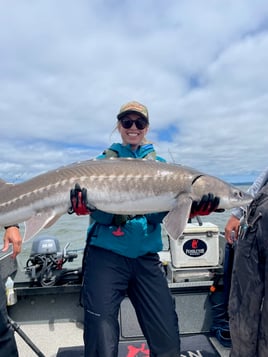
(242, 183)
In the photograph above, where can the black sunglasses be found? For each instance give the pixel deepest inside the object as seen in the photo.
(140, 123)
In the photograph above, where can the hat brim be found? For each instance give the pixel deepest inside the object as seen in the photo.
(121, 115)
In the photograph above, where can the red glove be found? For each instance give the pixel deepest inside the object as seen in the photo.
(205, 206)
(79, 203)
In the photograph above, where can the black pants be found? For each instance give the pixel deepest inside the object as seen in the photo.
(107, 279)
(7, 340)
(248, 303)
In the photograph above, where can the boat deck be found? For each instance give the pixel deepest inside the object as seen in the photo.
(52, 318)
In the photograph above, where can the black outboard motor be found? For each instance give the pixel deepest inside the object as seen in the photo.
(45, 265)
(45, 245)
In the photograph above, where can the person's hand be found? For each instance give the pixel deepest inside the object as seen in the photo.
(205, 206)
(12, 236)
(79, 202)
(231, 229)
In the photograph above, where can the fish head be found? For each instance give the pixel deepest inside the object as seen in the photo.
(230, 195)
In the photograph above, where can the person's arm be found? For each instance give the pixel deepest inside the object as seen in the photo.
(258, 183)
(12, 236)
(232, 225)
(232, 228)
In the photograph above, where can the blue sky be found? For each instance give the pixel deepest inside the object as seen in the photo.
(66, 67)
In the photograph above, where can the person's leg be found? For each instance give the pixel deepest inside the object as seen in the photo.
(155, 308)
(227, 273)
(8, 345)
(104, 286)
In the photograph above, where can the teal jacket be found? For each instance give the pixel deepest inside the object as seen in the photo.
(136, 236)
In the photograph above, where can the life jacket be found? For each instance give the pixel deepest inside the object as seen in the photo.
(109, 153)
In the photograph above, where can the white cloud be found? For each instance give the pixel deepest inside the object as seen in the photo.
(200, 67)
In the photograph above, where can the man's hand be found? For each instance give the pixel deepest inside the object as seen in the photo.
(205, 206)
(231, 229)
(12, 236)
(79, 203)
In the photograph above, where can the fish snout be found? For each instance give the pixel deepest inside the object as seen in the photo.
(240, 198)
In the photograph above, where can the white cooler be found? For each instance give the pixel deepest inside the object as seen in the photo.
(197, 247)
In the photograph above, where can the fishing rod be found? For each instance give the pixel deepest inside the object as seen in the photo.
(26, 339)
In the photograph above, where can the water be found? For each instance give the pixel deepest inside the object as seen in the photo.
(72, 229)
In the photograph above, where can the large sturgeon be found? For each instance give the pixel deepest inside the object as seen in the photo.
(120, 186)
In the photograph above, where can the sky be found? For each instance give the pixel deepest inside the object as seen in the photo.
(200, 66)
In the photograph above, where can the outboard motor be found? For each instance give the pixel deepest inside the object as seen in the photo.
(45, 265)
(45, 245)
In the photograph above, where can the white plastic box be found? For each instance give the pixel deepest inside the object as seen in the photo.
(197, 247)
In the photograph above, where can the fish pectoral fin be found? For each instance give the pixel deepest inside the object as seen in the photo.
(36, 223)
(176, 220)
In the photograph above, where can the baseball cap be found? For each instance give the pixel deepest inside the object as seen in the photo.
(133, 107)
